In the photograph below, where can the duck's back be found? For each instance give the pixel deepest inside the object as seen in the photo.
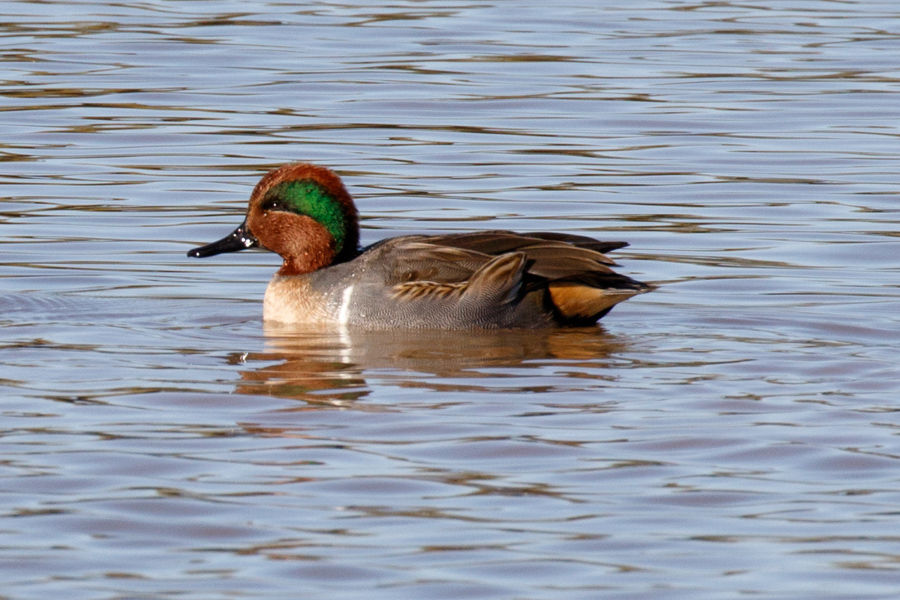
(487, 279)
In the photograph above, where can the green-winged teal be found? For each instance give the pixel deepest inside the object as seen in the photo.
(486, 279)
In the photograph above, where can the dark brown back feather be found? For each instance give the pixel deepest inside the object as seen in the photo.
(499, 267)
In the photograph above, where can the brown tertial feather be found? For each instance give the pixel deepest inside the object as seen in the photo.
(499, 281)
(421, 261)
(581, 241)
(552, 251)
(496, 282)
(552, 271)
(487, 242)
(499, 242)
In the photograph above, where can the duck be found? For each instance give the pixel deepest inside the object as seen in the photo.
(479, 280)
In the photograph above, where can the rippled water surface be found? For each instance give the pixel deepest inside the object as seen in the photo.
(732, 434)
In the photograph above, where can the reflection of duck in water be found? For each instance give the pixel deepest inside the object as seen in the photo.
(487, 279)
(334, 367)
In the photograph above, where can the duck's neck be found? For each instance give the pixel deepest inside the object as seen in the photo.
(317, 256)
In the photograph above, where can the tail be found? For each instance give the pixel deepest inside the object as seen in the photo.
(586, 299)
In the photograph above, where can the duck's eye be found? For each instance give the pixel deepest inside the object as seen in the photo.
(271, 203)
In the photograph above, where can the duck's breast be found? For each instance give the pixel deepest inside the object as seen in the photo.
(296, 299)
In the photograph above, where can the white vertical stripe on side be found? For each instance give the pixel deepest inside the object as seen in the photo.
(344, 313)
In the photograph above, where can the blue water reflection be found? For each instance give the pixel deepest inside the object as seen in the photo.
(731, 434)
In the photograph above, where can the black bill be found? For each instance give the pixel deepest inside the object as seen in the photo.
(239, 239)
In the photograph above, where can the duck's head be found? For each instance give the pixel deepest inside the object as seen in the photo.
(302, 212)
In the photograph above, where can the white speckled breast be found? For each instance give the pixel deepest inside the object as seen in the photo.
(292, 300)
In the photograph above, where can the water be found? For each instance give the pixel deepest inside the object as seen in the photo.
(732, 434)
